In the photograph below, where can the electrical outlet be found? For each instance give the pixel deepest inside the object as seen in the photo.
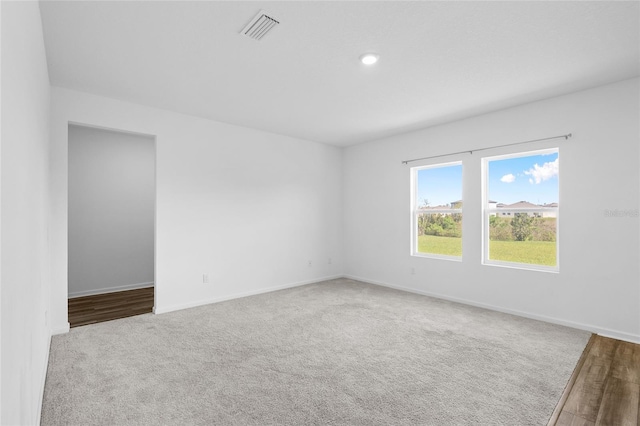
(309, 264)
(413, 271)
(205, 278)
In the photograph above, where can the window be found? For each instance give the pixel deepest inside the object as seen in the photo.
(437, 211)
(521, 210)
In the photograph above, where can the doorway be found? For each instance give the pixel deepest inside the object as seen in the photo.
(111, 229)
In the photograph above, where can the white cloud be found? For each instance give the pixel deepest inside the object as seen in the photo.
(507, 178)
(541, 173)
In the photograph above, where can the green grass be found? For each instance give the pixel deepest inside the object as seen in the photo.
(448, 246)
(533, 252)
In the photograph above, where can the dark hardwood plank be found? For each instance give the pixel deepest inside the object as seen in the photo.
(568, 419)
(606, 390)
(626, 363)
(604, 347)
(109, 306)
(586, 395)
(619, 404)
(556, 416)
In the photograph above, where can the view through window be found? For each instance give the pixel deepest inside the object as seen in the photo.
(521, 209)
(437, 210)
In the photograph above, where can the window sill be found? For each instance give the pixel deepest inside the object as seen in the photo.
(437, 256)
(522, 266)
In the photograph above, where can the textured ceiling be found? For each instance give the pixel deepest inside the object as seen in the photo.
(439, 61)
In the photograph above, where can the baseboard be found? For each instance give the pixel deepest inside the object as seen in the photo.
(43, 382)
(171, 308)
(109, 290)
(628, 337)
(60, 330)
(620, 335)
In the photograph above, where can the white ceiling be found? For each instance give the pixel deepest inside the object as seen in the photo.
(439, 61)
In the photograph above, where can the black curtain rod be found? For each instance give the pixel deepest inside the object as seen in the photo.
(471, 151)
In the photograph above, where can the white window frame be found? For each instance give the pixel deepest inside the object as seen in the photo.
(415, 211)
(487, 212)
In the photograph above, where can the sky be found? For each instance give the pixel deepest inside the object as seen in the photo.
(439, 185)
(532, 178)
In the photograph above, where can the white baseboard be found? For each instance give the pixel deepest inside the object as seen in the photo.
(620, 335)
(171, 308)
(60, 329)
(43, 381)
(615, 334)
(627, 337)
(109, 289)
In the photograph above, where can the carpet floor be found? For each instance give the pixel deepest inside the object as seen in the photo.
(339, 352)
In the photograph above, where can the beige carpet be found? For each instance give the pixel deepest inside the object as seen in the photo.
(339, 352)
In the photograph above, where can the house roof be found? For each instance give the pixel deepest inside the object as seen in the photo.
(520, 205)
(524, 205)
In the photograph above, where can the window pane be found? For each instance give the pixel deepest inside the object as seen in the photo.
(439, 233)
(439, 187)
(523, 238)
(438, 230)
(523, 205)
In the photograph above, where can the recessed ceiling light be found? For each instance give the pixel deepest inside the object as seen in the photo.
(369, 58)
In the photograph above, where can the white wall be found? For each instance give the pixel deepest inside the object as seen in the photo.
(598, 284)
(0, 213)
(25, 281)
(247, 207)
(111, 211)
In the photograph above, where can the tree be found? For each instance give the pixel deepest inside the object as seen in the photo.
(521, 226)
(447, 222)
(434, 229)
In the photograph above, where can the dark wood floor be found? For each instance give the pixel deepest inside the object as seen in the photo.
(604, 388)
(109, 306)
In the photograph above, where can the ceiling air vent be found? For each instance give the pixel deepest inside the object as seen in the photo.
(260, 26)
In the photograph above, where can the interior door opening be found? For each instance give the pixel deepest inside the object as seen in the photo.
(111, 225)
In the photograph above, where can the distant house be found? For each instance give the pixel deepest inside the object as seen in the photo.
(510, 209)
(503, 210)
(442, 209)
